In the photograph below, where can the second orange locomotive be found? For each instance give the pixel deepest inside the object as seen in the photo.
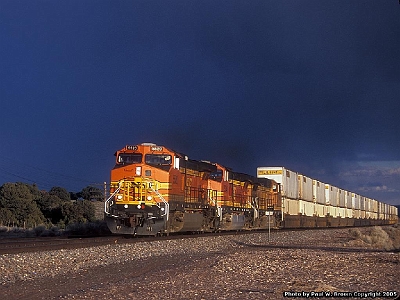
(155, 190)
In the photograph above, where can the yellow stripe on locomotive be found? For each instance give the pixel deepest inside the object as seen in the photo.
(138, 191)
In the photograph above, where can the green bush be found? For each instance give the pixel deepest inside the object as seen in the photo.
(24, 206)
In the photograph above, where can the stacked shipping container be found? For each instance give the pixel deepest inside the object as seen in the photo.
(304, 196)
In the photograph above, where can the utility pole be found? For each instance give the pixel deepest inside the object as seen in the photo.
(105, 191)
(270, 211)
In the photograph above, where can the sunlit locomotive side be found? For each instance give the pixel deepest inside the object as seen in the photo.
(245, 201)
(155, 190)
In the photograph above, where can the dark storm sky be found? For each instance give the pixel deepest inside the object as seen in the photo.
(310, 85)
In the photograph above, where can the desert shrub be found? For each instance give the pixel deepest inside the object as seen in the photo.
(39, 230)
(380, 239)
(52, 231)
(355, 233)
(394, 235)
(95, 228)
(14, 232)
(386, 239)
(42, 231)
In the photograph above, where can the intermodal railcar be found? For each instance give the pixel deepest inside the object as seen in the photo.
(308, 202)
(155, 190)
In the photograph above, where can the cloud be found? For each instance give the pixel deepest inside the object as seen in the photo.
(371, 171)
(374, 179)
(378, 188)
(393, 171)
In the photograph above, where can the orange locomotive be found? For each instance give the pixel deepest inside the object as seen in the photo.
(155, 190)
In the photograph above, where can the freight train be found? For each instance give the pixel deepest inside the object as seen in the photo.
(156, 191)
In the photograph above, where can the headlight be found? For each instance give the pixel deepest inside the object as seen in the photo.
(138, 171)
(149, 198)
(119, 197)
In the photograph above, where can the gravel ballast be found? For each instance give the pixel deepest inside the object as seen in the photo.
(291, 264)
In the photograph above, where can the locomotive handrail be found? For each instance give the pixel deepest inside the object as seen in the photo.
(163, 200)
(106, 205)
(256, 214)
(219, 208)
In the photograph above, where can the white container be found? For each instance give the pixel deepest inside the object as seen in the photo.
(342, 199)
(374, 206)
(362, 203)
(307, 208)
(318, 192)
(386, 211)
(368, 205)
(355, 200)
(305, 185)
(341, 212)
(286, 178)
(292, 207)
(347, 197)
(382, 211)
(393, 211)
(320, 210)
(332, 210)
(349, 213)
(331, 195)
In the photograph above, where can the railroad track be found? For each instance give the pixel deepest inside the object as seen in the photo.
(21, 245)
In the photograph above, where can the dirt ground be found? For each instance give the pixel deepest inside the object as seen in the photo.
(246, 271)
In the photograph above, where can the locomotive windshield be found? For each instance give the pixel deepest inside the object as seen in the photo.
(158, 159)
(129, 158)
(217, 176)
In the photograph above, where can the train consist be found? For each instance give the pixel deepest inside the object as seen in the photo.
(311, 203)
(155, 190)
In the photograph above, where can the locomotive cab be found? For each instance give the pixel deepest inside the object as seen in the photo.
(139, 190)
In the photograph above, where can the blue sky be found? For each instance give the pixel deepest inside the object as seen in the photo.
(310, 85)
